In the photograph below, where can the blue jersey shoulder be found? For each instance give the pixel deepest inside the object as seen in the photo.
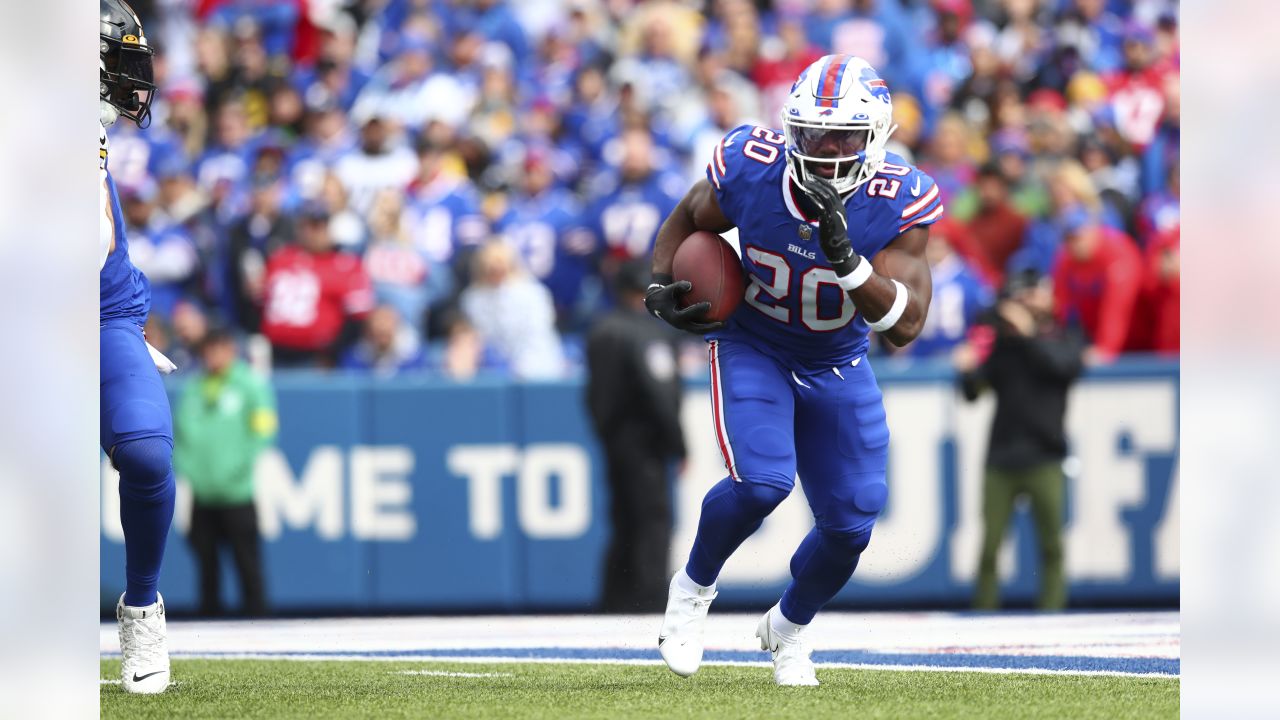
(899, 197)
(746, 155)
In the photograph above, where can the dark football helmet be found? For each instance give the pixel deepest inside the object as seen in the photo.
(125, 79)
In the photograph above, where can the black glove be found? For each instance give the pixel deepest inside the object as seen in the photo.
(833, 227)
(661, 300)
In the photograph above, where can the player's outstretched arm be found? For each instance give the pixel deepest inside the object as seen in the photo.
(698, 210)
(894, 290)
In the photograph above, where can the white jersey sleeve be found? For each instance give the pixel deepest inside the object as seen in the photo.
(106, 223)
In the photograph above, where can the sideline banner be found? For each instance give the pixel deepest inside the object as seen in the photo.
(418, 495)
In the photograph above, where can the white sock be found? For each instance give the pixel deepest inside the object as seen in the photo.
(786, 630)
(687, 584)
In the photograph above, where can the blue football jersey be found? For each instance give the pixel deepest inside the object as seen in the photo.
(549, 233)
(959, 296)
(123, 291)
(793, 301)
(626, 215)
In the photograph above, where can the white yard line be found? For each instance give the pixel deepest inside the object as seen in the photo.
(499, 659)
(449, 673)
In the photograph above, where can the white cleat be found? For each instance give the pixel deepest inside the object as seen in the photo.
(680, 640)
(791, 663)
(144, 645)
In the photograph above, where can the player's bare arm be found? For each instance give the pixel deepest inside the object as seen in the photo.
(894, 290)
(698, 210)
(902, 260)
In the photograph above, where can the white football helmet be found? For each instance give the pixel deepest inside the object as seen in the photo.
(838, 115)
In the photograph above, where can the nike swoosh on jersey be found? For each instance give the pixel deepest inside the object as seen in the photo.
(856, 361)
(915, 189)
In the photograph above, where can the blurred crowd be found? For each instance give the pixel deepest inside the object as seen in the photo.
(448, 186)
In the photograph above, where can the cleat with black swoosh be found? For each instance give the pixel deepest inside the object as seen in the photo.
(680, 640)
(144, 647)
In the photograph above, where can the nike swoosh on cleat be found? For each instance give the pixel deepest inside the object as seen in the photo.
(661, 639)
(137, 678)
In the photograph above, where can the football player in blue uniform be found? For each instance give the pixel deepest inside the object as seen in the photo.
(833, 232)
(135, 426)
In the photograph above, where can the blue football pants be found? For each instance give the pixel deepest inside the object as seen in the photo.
(772, 421)
(136, 432)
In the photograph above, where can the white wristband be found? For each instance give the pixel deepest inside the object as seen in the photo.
(855, 279)
(895, 311)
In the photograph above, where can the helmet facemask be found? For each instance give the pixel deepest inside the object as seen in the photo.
(125, 79)
(854, 150)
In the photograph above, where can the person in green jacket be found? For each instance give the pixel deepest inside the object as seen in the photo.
(226, 417)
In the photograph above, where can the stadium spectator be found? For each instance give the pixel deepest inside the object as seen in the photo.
(159, 247)
(404, 275)
(381, 162)
(251, 239)
(1097, 278)
(314, 295)
(633, 201)
(633, 395)
(1031, 365)
(463, 354)
(960, 295)
(514, 313)
(443, 206)
(543, 223)
(225, 417)
(1053, 93)
(387, 347)
(1162, 288)
(997, 228)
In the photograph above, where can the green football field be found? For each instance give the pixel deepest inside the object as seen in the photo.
(379, 689)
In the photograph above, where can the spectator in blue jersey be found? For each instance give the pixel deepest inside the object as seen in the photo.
(327, 137)
(224, 167)
(593, 116)
(544, 225)
(160, 248)
(960, 296)
(387, 346)
(514, 313)
(334, 75)
(276, 20)
(633, 200)
(443, 206)
(404, 275)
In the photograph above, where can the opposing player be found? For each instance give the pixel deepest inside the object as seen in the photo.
(136, 428)
(833, 232)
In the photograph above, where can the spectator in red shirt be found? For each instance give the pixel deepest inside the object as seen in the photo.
(1097, 278)
(1162, 287)
(313, 294)
(997, 227)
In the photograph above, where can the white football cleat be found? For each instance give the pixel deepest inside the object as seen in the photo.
(680, 640)
(791, 663)
(144, 647)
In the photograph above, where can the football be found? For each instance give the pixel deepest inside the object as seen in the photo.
(711, 265)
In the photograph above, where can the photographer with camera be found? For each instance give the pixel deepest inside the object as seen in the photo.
(1032, 364)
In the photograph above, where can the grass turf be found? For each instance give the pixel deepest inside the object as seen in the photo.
(348, 689)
